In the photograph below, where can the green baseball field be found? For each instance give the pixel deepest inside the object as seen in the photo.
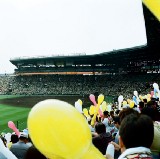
(16, 108)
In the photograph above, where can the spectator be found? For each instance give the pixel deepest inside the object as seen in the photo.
(126, 111)
(102, 139)
(116, 121)
(20, 148)
(136, 137)
(14, 139)
(155, 147)
(106, 121)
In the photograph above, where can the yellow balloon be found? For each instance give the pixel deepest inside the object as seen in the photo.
(124, 103)
(131, 104)
(92, 107)
(100, 99)
(148, 99)
(104, 106)
(128, 100)
(92, 110)
(85, 112)
(148, 96)
(80, 102)
(95, 151)
(59, 131)
(140, 97)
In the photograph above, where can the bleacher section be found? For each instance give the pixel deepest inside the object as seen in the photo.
(112, 85)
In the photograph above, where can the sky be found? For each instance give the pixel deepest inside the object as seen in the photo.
(49, 27)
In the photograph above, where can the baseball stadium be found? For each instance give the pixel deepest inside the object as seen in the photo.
(75, 77)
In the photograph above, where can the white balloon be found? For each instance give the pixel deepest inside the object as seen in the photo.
(120, 98)
(8, 137)
(78, 106)
(155, 86)
(135, 93)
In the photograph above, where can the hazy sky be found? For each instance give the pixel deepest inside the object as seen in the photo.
(47, 27)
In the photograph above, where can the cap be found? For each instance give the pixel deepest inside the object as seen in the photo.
(22, 134)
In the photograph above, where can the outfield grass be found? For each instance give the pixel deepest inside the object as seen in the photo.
(16, 114)
(16, 108)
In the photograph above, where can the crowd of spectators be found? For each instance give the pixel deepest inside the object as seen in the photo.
(133, 132)
(112, 85)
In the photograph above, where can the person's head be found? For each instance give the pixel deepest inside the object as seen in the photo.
(106, 114)
(126, 111)
(14, 138)
(152, 104)
(116, 121)
(150, 112)
(23, 137)
(136, 131)
(100, 128)
(111, 113)
(145, 101)
(141, 105)
(117, 112)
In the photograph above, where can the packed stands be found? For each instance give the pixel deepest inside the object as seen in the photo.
(113, 85)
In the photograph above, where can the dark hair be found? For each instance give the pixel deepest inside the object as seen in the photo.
(154, 114)
(126, 111)
(117, 111)
(137, 130)
(106, 113)
(145, 100)
(14, 138)
(150, 112)
(141, 105)
(111, 113)
(116, 119)
(100, 128)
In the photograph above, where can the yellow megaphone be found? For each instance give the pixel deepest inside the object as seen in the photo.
(59, 131)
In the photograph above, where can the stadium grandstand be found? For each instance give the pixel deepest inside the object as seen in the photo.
(110, 73)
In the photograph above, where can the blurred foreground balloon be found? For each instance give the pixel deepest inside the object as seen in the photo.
(59, 131)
